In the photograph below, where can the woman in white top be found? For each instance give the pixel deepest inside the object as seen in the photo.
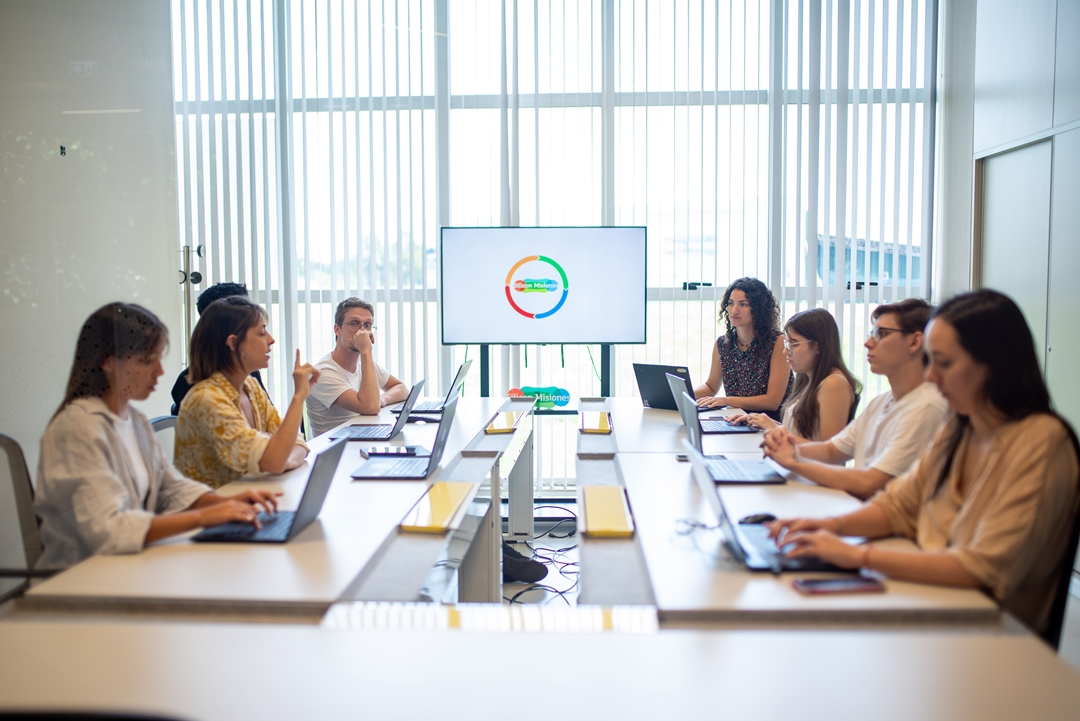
(104, 484)
(825, 394)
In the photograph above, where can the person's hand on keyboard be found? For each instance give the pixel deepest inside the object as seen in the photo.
(243, 507)
(814, 537)
(754, 420)
(713, 402)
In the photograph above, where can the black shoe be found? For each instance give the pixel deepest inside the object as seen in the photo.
(510, 551)
(522, 569)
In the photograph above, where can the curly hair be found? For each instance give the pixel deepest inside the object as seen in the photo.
(764, 312)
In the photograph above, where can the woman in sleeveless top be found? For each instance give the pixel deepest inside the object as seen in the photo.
(825, 394)
(748, 360)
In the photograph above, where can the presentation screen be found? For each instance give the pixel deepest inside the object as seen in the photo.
(543, 285)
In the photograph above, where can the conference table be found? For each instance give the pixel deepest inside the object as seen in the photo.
(337, 556)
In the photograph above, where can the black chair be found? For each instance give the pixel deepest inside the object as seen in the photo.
(21, 547)
(1052, 634)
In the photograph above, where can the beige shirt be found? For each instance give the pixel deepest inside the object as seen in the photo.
(1011, 526)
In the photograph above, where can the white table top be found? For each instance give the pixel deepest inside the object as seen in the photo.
(647, 430)
(309, 572)
(226, 671)
(694, 578)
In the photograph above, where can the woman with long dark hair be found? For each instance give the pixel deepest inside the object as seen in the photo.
(825, 394)
(992, 501)
(227, 427)
(748, 359)
(104, 484)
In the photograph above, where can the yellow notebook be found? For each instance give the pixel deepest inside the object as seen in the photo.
(607, 513)
(504, 422)
(596, 422)
(434, 512)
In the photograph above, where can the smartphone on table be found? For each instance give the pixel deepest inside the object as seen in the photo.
(856, 584)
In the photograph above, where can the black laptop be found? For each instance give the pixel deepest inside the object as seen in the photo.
(411, 467)
(437, 406)
(721, 469)
(380, 431)
(652, 382)
(708, 425)
(749, 543)
(284, 526)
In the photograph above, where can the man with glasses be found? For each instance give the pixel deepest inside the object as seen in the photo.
(351, 382)
(895, 427)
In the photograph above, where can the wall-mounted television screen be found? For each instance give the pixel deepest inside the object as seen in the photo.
(542, 285)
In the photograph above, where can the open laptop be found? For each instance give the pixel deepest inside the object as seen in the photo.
(437, 406)
(414, 467)
(381, 431)
(749, 543)
(652, 382)
(284, 526)
(707, 425)
(721, 469)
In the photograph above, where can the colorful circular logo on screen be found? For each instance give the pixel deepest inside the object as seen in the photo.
(536, 297)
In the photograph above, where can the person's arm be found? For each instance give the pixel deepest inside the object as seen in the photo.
(365, 399)
(861, 483)
(779, 374)
(209, 510)
(393, 391)
(711, 386)
(282, 450)
(834, 398)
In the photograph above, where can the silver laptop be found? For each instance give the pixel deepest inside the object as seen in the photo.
(380, 431)
(284, 526)
(749, 543)
(411, 468)
(437, 406)
(722, 469)
(707, 425)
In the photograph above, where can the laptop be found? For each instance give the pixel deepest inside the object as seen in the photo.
(380, 431)
(414, 467)
(437, 406)
(707, 425)
(284, 526)
(652, 382)
(722, 469)
(749, 543)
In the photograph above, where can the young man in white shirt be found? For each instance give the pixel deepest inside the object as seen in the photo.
(351, 382)
(896, 426)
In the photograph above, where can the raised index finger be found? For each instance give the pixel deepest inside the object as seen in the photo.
(297, 366)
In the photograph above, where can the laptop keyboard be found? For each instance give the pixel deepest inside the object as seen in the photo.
(719, 426)
(360, 432)
(728, 470)
(403, 467)
(274, 528)
(428, 406)
(757, 535)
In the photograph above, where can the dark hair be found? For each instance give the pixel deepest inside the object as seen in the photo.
(219, 291)
(818, 326)
(992, 329)
(764, 312)
(116, 330)
(209, 352)
(348, 304)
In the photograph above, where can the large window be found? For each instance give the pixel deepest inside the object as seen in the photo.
(322, 144)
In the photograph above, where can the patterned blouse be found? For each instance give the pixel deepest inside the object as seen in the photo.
(214, 443)
(743, 374)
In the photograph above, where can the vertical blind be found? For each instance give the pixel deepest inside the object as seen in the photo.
(321, 144)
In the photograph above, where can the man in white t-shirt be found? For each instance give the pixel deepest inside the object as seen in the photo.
(887, 438)
(351, 382)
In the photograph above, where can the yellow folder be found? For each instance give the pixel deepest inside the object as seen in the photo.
(596, 422)
(607, 513)
(504, 422)
(437, 508)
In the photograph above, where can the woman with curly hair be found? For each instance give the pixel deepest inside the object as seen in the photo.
(748, 360)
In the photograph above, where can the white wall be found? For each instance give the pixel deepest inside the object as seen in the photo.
(98, 225)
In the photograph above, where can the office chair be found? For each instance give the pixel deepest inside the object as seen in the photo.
(20, 542)
(1052, 634)
(165, 432)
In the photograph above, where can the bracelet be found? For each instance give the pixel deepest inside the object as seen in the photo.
(866, 556)
(839, 525)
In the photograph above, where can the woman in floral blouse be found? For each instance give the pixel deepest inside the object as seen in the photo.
(748, 360)
(227, 426)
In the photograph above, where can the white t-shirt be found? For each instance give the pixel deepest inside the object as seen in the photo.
(889, 435)
(333, 381)
(126, 430)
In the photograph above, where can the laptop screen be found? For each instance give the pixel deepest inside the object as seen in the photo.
(407, 406)
(322, 474)
(458, 380)
(688, 413)
(712, 495)
(444, 432)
